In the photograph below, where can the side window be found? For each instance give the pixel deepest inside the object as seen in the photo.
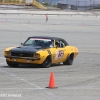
(62, 44)
(57, 43)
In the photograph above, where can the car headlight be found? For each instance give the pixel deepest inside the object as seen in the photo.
(36, 55)
(7, 53)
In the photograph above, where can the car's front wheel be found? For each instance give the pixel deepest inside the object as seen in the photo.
(47, 63)
(11, 64)
(69, 60)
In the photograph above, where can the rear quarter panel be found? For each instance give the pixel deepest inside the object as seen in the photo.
(70, 50)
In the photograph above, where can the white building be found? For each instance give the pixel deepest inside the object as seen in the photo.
(78, 4)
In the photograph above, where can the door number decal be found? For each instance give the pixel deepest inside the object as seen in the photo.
(59, 53)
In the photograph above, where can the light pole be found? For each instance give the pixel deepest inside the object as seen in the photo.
(67, 4)
(51, 2)
(90, 3)
(93, 3)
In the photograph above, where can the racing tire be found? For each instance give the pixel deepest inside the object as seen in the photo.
(69, 60)
(11, 64)
(47, 63)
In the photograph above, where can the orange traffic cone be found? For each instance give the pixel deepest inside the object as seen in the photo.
(52, 82)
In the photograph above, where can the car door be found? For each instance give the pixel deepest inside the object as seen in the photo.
(52, 51)
(60, 50)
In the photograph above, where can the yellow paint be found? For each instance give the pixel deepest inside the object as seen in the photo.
(25, 61)
(42, 54)
(23, 2)
(39, 5)
(7, 50)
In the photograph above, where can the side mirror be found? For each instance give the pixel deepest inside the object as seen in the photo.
(21, 43)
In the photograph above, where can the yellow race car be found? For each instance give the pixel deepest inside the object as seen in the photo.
(41, 50)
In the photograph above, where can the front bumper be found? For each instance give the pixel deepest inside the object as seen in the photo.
(28, 58)
(24, 60)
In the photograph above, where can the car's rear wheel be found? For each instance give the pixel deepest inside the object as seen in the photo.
(69, 60)
(11, 64)
(47, 63)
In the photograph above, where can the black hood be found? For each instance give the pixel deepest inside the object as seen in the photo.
(30, 49)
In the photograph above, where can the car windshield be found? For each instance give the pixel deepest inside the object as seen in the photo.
(39, 42)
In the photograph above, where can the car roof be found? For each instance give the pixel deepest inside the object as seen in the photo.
(47, 37)
(50, 37)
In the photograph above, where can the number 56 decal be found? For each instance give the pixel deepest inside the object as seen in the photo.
(59, 53)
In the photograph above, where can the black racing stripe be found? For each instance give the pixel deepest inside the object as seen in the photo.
(49, 52)
(31, 49)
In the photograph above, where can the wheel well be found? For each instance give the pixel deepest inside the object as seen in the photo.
(49, 57)
(72, 55)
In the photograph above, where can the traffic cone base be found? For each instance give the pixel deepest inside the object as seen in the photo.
(51, 87)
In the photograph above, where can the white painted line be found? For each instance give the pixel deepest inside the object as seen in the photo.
(22, 88)
(20, 78)
(36, 86)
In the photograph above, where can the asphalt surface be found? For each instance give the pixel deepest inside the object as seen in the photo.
(80, 81)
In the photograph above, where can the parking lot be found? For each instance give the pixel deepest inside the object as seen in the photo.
(80, 81)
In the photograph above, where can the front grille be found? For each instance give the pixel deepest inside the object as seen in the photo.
(19, 54)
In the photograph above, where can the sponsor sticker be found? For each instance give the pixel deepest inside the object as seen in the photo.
(49, 52)
(40, 39)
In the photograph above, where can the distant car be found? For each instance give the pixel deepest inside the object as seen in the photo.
(41, 50)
